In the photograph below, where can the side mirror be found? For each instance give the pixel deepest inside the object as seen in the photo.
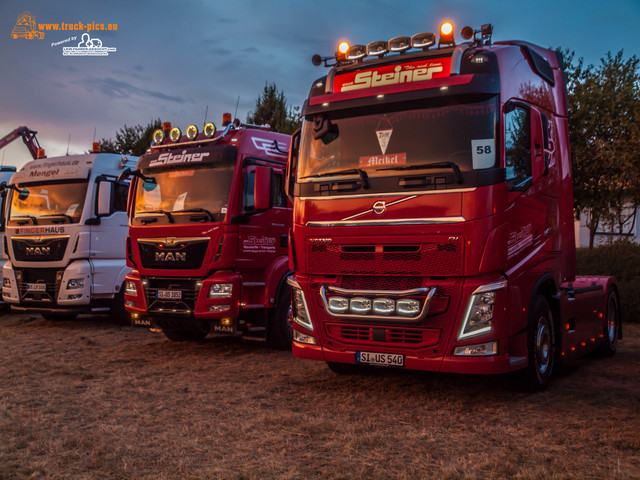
(104, 198)
(292, 164)
(262, 188)
(23, 194)
(126, 173)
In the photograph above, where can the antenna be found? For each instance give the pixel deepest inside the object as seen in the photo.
(235, 114)
(94, 133)
(68, 143)
(205, 115)
(3, 154)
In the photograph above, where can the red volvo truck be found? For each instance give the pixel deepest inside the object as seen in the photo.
(433, 212)
(208, 234)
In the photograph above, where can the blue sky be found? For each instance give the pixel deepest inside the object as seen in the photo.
(173, 59)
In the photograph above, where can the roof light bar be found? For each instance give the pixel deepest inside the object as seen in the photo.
(175, 134)
(356, 52)
(379, 47)
(192, 132)
(423, 40)
(158, 136)
(399, 44)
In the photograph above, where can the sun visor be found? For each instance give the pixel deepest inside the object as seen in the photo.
(45, 170)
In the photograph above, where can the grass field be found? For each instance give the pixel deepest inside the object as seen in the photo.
(90, 399)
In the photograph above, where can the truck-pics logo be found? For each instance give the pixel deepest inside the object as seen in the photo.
(184, 157)
(88, 47)
(25, 27)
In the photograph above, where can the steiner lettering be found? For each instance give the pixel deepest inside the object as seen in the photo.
(184, 157)
(372, 78)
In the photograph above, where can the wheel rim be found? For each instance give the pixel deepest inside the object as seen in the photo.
(612, 321)
(543, 346)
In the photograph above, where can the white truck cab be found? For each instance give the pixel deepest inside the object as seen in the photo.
(6, 173)
(66, 229)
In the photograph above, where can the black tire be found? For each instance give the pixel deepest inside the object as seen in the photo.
(541, 345)
(59, 317)
(279, 322)
(118, 313)
(611, 328)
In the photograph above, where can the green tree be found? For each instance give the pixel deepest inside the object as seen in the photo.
(271, 108)
(131, 140)
(604, 111)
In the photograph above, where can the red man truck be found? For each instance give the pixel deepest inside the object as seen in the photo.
(208, 234)
(433, 212)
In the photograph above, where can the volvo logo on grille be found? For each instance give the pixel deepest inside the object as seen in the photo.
(171, 257)
(38, 250)
(379, 207)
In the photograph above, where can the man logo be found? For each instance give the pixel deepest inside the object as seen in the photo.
(38, 251)
(171, 257)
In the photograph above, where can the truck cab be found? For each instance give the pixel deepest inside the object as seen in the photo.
(66, 226)
(208, 224)
(433, 212)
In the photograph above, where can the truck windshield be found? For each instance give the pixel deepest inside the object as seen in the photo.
(456, 136)
(47, 204)
(183, 195)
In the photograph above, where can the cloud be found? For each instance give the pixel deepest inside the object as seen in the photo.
(112, 87)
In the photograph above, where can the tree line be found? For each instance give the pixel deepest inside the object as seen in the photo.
(604, 113)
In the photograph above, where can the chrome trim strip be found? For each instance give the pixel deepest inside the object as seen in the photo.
(387, 205)
(490, 287)
(386, 318)
(392, 194)
(38, 238)
(173, 239)
(397, 221)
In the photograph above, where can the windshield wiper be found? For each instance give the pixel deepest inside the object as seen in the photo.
(26, 219)
(208, 213)
(62, 215)
(363, 175)
(168, 214)
(453, 166)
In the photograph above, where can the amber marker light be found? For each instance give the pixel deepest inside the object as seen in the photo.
(343, 47)
(446, 28)
(446, 34)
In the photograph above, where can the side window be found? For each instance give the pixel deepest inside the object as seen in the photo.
(278, 198)
(120, 193)
(247, 195)
(517, 146)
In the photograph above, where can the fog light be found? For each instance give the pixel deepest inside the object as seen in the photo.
(219, 308)
(479, 350)
(360, 305)
(338, 304)
(74, 297)
(384, 306)
(408, 307)
(303, 338)
(226, 322)
(218, 290)
(75, 283)
(130, 288)
(6, 282)
(129, 303)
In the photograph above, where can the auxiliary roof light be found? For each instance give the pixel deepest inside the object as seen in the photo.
(446, 34)
(175, 134)
(158, 137)
(423, 40)
(166, 128)
(192, 132)
(209, 129)
(399, 44)
(356, 52)
(379, 47)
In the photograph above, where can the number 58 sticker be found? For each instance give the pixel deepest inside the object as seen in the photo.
(483, 153)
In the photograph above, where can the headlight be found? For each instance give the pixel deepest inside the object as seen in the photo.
(219, 290)
(6, 282)
(304, 338)
(130, 288)
(300, 312)
(75, 283)
(478, 317)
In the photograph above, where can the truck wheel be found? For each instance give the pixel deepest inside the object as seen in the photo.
(59, 317)
(118, 313)
(179, 335)
(279, 328)
(612, 327)
(540, 344)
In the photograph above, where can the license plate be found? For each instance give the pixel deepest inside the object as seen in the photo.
(39, 287)
(169, 294)
(384, 359)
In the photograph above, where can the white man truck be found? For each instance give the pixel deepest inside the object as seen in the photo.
(5, 176)
(66, 226)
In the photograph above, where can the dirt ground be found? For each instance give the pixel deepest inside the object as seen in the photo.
(91, 399)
